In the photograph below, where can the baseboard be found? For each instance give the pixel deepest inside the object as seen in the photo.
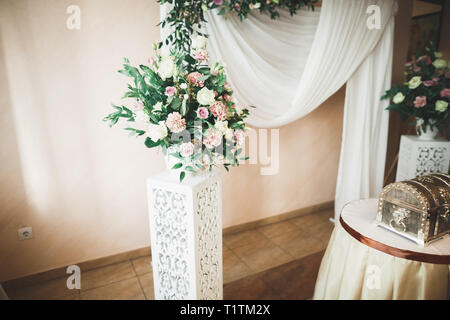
(278, 218)
(133, 254)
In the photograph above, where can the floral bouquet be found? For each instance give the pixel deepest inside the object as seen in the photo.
(426, 93)
(185, 107)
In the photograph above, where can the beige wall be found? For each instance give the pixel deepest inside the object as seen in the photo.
(80, 184)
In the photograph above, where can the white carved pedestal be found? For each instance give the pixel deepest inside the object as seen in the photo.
(418, 157)
(186, 236)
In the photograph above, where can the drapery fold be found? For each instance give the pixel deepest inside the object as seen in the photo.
(289, 66)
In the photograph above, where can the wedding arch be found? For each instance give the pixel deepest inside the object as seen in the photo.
(289, 66)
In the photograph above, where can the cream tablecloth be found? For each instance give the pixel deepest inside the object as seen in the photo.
(351, 269)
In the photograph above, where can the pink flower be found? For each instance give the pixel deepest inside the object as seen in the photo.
(227, 97)
(138, 106)
(445, 93)
(212, 138)
(202, 113)
(175, 122)
(193, 78)
(201, 55)
(428, 83)
(218, 2)
(218, 109)
(240, 137)
(227, 86)
(428, 59)
(420, 102)
(187, 149)
(408, 64)
(237, 7)
(447, 74)
(170, 91)
(417, 69)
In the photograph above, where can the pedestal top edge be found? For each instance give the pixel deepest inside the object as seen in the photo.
(189, 181)
(416, 139)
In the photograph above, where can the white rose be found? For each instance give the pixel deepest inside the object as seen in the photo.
(157, 131)
(441, 105)
(439, 63)
(438, 54)
(157, 106)
(398, 98)
(167, 67)
(183, 86)
(205, 96)
(414, 82)
(199, 42)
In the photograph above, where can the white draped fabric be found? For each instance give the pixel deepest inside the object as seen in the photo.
(289, 66)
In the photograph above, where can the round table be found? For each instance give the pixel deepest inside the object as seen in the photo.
(364, 261)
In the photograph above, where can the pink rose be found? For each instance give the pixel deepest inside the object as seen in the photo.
(187, 149)
(218, 109)
(428, 83)
(193, 78)
(428, 59)
(202, 113)
(420, 102)
(227, 97)
(408, 64)
(212, 138)
(227, 86)
(218, 2)
(175, 122)
(201, 55)
(445, 93)
(417, 69)
(170, 91)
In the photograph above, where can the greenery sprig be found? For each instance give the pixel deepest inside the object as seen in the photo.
(186, 16)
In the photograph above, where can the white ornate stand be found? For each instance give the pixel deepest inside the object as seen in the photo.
(186, 236)
(418, 157)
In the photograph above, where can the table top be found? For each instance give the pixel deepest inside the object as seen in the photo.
(358, 218)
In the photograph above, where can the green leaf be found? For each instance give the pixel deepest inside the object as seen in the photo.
(149, 143)
(182, 175)
(177, 166)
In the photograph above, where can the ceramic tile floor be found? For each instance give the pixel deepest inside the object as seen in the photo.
(278, 261)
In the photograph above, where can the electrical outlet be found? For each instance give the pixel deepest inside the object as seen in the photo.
(25, 233)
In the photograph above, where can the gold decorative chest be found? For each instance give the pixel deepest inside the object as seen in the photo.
(418, 209)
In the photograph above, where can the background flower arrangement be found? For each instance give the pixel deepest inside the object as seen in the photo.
(426, 93)
(187, 107)
(189, 14)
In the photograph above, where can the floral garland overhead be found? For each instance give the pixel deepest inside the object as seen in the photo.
(188, 15)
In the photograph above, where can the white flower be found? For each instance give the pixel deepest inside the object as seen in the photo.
(157, 107)
(257, 5)
(157, 131)
(414, 82)
(398, 98)
(167, 67)
(441, 105)
(183, 86)
(205, 96)
(439, 63)
(438, 54)
(199, 42)
(141, 116)
(229, 133)
(221, 126)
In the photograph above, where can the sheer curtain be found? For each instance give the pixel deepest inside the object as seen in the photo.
(290, 66)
